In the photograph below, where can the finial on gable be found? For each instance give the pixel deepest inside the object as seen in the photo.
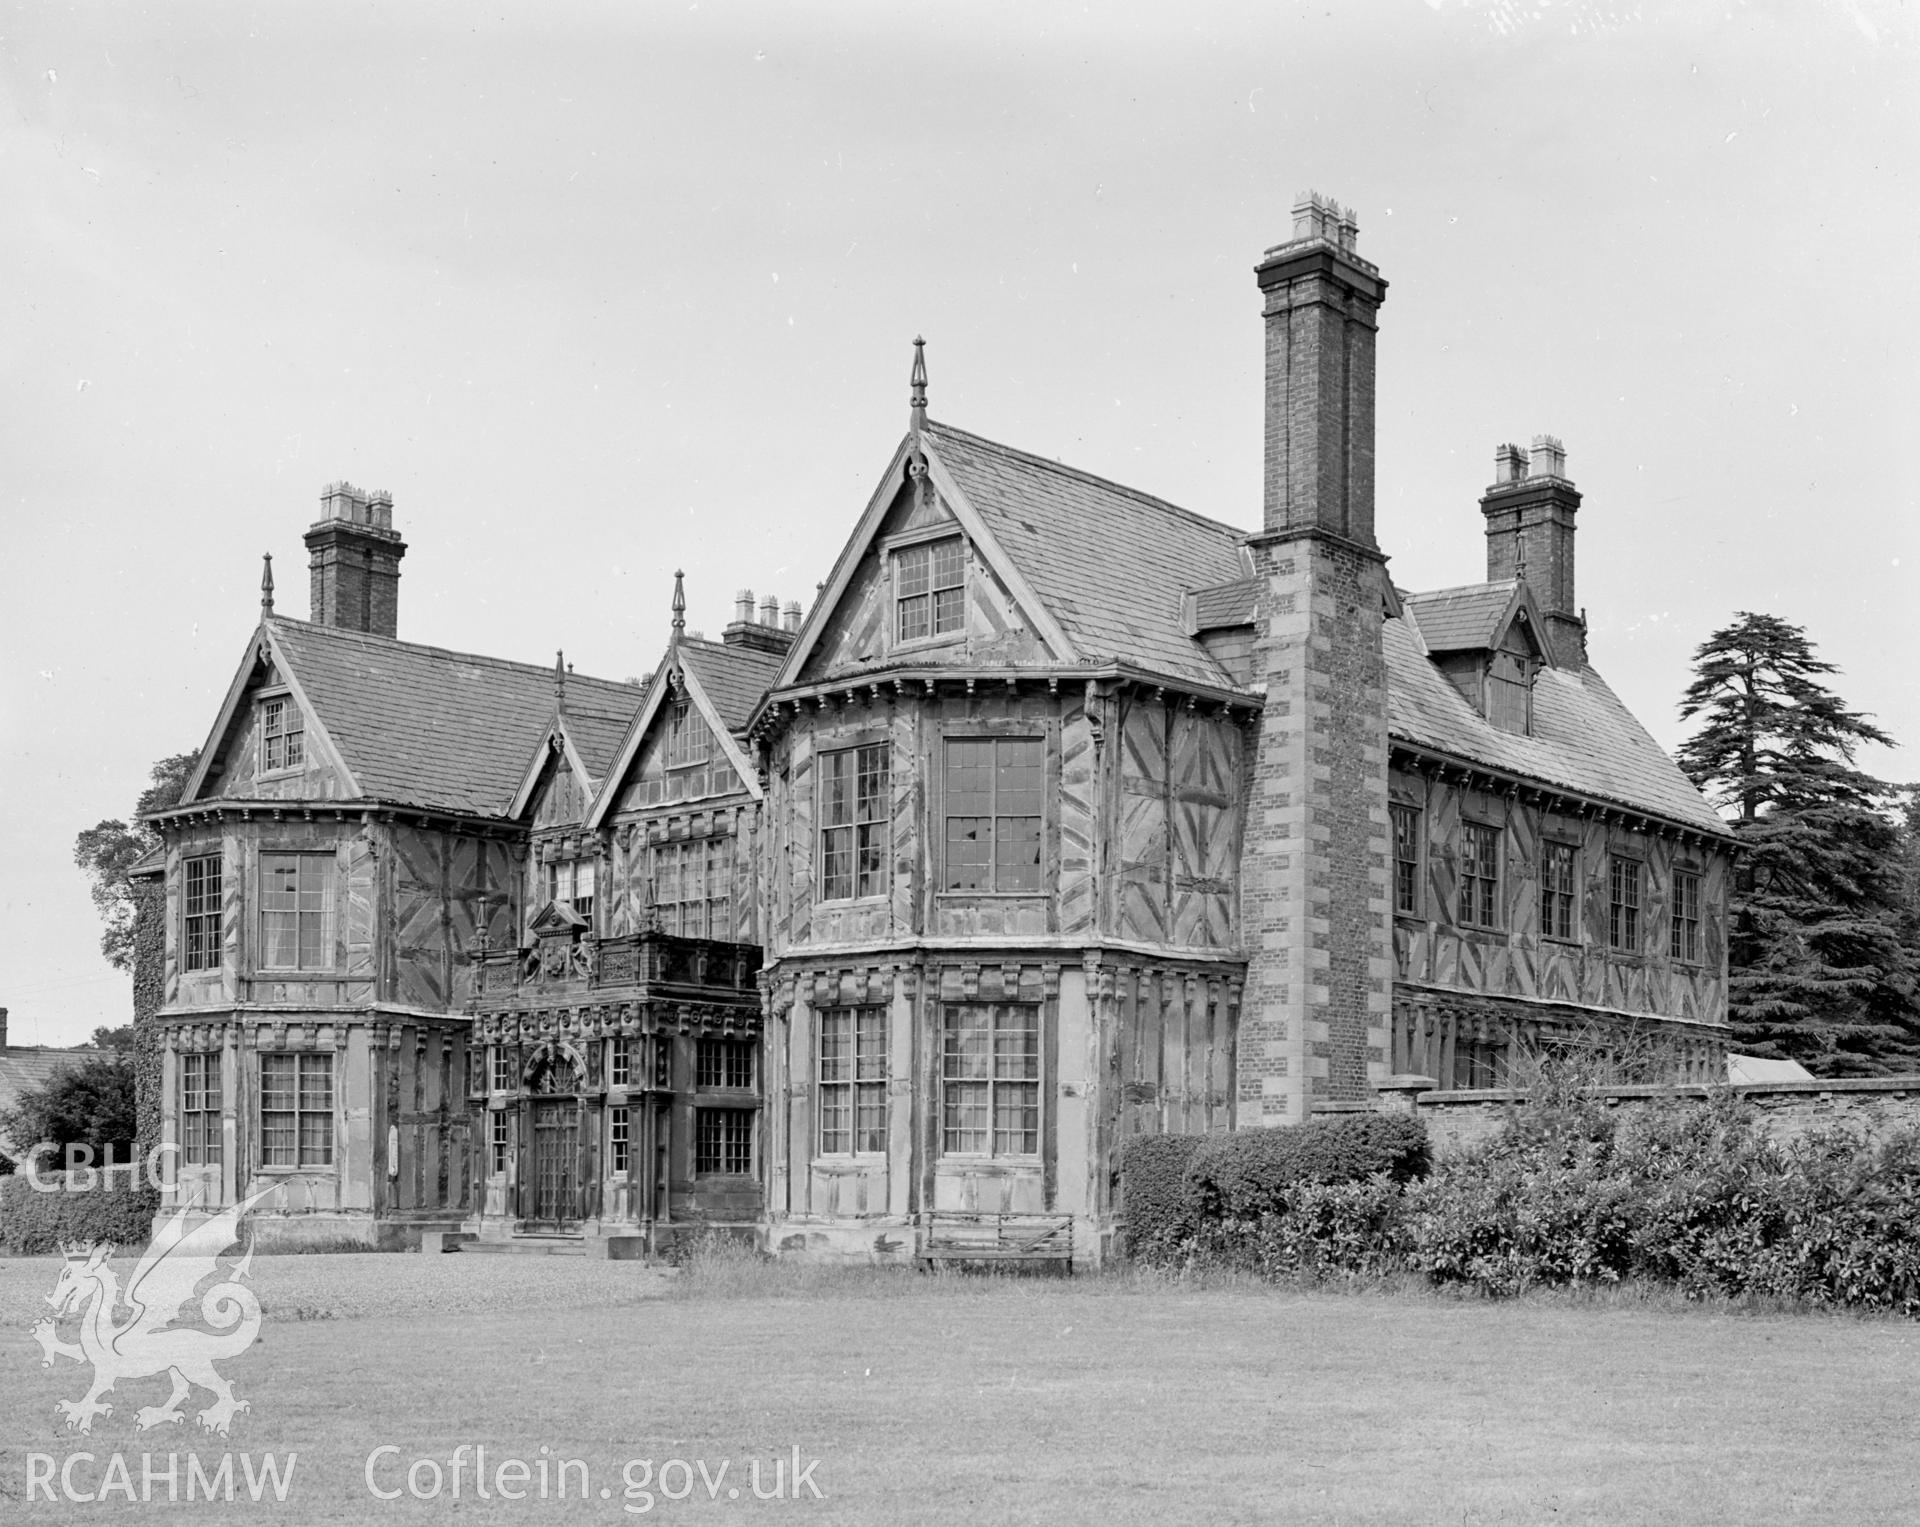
(919, 384)
(559, 678)
(266, 585)
(679, 617)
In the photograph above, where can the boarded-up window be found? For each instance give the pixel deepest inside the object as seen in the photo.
(1558, 875)
(1623, 903)
(990, 1079)
(1480, 874)
(200, 935)
(929, 589)
(282, 736)
(853, 823)
(1406, 858)
(853, 1080)
(296, 1110)
(995, 788)
(200, 1109)
(723, 1142)
(1683, 936)
(296, 911)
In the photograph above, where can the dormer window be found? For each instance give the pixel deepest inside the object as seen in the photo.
(1511, 668)
(282, 735)
(571, 881)
(929, 582)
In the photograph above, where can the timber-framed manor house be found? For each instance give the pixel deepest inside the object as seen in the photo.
(873, 929)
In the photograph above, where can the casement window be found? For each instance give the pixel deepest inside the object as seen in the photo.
(497, 1142)
(1480, 874)
(929, 588)
(852, 1080)
(1559, 871)
(503, 1079)
(1683, 932)
(688, 739)
(620, 1061)
(1406, 858)
(1623, 903)
(200, 901)
(296, 1110)
(994, 790)
(296, 911)
(200, 1110)
(990, 1079)
(572, 881)
(693, 888)
(853, 822)
(283, 737)
(724, 1063)
(723, 1142)
(620, 1140)
(1478, 1063)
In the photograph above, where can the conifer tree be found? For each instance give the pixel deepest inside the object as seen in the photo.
(1820, 969)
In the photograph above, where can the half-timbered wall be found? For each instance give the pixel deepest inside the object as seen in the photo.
(239, 776)
(1435, 947)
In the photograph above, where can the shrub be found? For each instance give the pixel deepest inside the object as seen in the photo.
(1355, 1229)
(1155, 1195)
(1250, 1173)
(33, 1223)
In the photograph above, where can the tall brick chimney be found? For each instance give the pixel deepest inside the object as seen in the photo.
(354, 556)
(1315, 1022)
(1530, 508)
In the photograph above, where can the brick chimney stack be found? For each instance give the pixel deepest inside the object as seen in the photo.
(1529, 508)
(354, 557)
(1315, 1020)
(759, 630)
(1321, 309)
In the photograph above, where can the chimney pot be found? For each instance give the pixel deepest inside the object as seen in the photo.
(1509, 464)
(770, 611)
(793, 615)
(354, 557)
(1549, 457)
(743, 607)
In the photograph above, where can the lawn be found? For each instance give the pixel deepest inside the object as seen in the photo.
(1111, 1399)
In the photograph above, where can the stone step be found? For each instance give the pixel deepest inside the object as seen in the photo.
(529, 1246)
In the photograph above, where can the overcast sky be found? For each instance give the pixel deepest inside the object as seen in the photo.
(601, 291)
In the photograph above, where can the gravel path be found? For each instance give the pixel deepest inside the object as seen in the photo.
(351, 1286)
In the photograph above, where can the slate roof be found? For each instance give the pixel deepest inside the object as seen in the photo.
(596, 732)
(421, 726)
(1461, 619)
(1584, 739)
(1227, 605)
(1110, 564)
(734, 677)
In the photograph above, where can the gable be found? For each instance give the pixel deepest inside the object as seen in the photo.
(562, 796)
(679, 757)
(271, 745)
(923, 590)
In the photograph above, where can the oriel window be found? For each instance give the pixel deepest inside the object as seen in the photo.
(995, 790)
(853, 822)
(296, 911)
(200, 899)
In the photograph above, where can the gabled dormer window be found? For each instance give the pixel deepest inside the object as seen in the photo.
(1511, 668)
(929, 588)
(283, 735)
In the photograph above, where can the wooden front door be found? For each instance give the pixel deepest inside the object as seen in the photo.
(556, 1156)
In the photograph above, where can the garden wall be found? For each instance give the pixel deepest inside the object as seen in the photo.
(1873, 1105)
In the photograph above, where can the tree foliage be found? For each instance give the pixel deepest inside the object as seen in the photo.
(1820, 968)
(89, 1102)
(109, 849)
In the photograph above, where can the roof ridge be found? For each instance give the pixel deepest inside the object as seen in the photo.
(1047, 464)
(1460, 588)
(370, 639)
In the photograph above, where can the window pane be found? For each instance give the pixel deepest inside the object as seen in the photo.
(949, 564)
(967, 1105)
(911, 567)
(870, 1126)
(836, 1045)
(277, 1084)
(949, 611)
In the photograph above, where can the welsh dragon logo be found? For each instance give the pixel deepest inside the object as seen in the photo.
(177, 1262)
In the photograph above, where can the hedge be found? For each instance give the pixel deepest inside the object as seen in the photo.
(1154, 1193)
(1252, 1172)
(33, 1223)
